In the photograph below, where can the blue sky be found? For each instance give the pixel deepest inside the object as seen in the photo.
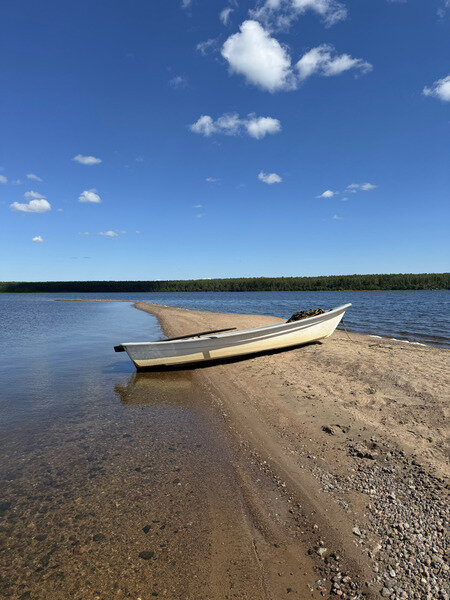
(168, 139)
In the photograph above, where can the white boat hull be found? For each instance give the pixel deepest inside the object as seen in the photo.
(238, 343)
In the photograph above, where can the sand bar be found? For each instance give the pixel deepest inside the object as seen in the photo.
(343, 446)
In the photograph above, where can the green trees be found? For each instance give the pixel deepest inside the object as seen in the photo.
(400, 281)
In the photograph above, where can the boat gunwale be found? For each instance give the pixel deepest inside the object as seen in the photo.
(310, 320)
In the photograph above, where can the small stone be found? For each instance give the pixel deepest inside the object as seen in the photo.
(146, 554)
(98, 537)
(356, 531)
(146, 528)
(385, 593)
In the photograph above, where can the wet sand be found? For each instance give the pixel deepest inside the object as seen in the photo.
(353, 433)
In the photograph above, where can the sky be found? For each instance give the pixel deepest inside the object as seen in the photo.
(179, 139)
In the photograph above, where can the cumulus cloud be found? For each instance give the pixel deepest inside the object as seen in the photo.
(87, 160)
(178, 82)
(360, 187)
(224, 15)
(440, 89)
(322, 60)
(264, 62)
(258, 127)
(232, 124)
(33, 195)
(260, 58)
(89, 196)
(33, 177)
(37, 204)
(326, 194)
(3, 179)
(269, 178)
(206, 46)
(37, 239)
(279, 14)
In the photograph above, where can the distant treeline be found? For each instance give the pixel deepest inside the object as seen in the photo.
(401, 281)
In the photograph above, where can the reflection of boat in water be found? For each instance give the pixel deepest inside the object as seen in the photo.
(195, 349)
(144, 388)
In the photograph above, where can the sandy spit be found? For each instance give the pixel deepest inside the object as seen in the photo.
(343, 445)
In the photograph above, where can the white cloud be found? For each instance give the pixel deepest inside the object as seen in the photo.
(232, 124)
(37, 239)
(440, 89)
(89, 196)
(109, 234)
(258, 127)
(442, 10)
(86, 160)
(269, 178)
(34, 177)
(40, 205)
(17, 182)
(358, 187)
(320, 61)
(264, 62)
(206, 46)
(326, 194)
(198, 205)
(186, 3)
(33, 195)
(3, 179)
(225, 15)
(259, 57)
(337, 217)
(178, 82)
(212, 180)
(280, 14)
(84, 233)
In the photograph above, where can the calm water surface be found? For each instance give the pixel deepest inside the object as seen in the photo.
(105, 475)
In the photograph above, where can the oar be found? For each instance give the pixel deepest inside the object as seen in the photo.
(181, 337)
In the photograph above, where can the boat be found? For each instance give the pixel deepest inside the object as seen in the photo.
(223, 344)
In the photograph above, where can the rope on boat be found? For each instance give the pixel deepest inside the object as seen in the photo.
(348, 335)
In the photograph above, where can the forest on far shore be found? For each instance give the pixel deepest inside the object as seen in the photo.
(400, 281)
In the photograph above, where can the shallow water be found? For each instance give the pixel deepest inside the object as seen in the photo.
(106, 475)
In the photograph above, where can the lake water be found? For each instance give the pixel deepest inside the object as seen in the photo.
(102, 466)
(416, 316)
(105, 474)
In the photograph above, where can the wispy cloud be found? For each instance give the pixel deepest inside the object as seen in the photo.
(38, 239)
(280, 14)
(33, 177)
(440, 89)
(37, 204)
(89, 196)
(87, 160)
(232, 124)
(178, 82)
(212, 180)
(3, 179)
(263, 61)
(224, 15)
(269, 178)
(186, 3)
(360, 187)
(337, 217)
(207, 46)
(111, 233)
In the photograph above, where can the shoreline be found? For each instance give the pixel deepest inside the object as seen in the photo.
(413, 341)
(346, 431)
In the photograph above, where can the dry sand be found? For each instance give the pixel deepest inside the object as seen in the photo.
(341, 445)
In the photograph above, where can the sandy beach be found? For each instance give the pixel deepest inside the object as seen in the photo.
(341, 450)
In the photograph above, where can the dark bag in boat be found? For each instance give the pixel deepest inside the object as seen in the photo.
(304, 314)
